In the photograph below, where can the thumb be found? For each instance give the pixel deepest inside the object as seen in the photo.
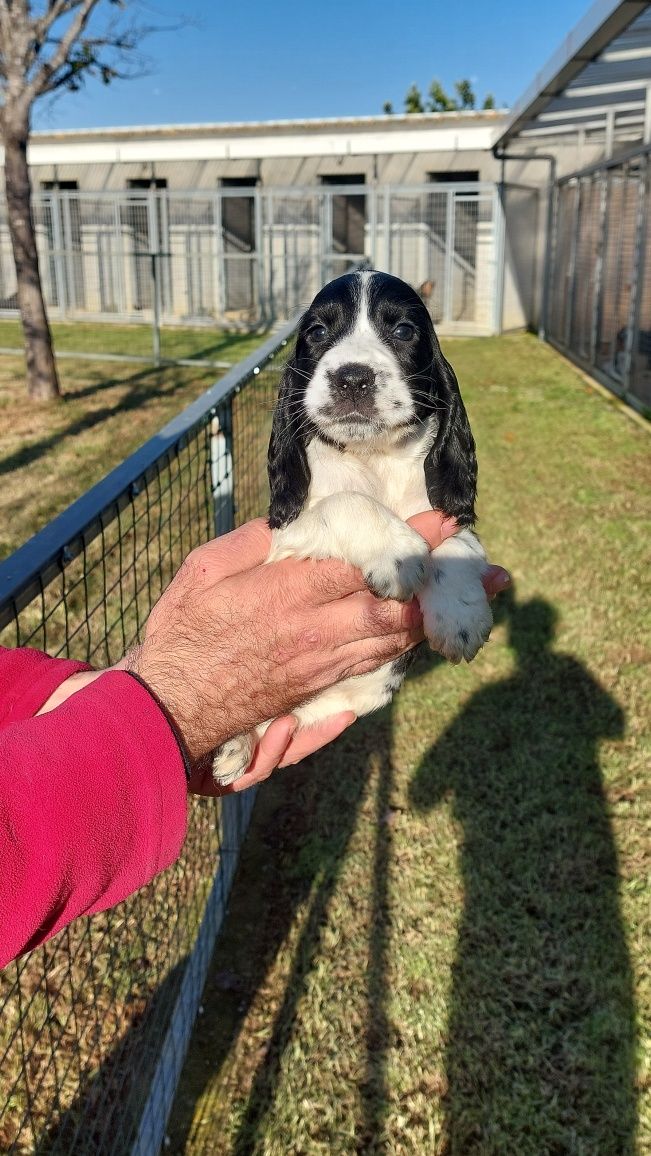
(242, 549)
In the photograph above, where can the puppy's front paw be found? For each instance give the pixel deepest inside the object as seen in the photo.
(232, 758)
(457, 623)
(401, 569)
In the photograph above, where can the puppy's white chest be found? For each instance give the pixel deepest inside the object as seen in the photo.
(395, 479)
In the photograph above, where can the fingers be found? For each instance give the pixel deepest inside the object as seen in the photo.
(306, 742)
(278, 746)
(329, 579)
(361, 616)
(495, 579)
(268, 753)
(433, 526)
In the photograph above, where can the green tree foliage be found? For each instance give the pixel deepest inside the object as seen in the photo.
(465, 94)
(440, 101)
(414, 100)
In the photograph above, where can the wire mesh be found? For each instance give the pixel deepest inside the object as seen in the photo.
(443, 241)
(85, 1019)
(600, 298)
(521, 206)
(240, 257)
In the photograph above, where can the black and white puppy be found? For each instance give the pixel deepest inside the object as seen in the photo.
(369, 429)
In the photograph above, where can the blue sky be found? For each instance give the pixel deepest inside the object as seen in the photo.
(249, 60)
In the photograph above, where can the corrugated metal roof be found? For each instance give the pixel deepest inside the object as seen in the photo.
(598, 82)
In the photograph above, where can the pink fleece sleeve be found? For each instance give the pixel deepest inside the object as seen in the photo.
(92, 797)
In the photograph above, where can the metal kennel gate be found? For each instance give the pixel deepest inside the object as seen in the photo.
(250, 255)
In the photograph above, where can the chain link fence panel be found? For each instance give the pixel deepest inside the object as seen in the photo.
(600, 275)
(94, 1024)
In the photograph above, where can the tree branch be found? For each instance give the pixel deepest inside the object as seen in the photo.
(40, 82)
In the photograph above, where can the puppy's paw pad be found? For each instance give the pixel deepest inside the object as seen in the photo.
(231, 759)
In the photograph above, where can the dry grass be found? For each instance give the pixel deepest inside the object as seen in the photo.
(82, 1019)
(52, 453)
(440, 929)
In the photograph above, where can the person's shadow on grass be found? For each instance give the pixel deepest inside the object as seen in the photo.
(540, 1041)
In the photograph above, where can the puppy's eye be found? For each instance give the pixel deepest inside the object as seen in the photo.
(317, 332)
(404, 331)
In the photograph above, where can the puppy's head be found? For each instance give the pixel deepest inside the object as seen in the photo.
(368, 371)
(366, 345)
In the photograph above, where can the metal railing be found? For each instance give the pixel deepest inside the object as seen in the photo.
(248, 256)
(94, 1025)
(600, 274)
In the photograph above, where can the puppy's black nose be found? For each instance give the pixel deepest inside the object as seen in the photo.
(353, 379)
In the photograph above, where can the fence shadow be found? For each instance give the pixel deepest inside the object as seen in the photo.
(541, 1036)
(298, 840)
(143, 387)
(540, 1044)
(103, 1118)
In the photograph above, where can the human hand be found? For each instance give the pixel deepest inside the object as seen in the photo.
(340, 629)
(233, 642)
(279, 746)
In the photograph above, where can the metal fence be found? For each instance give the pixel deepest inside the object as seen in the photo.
(600, 275)
(246, 256)
(94, 1025)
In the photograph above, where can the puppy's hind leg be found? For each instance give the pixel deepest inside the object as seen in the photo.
(232, 758)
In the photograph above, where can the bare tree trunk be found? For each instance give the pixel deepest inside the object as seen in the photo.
(42, 378)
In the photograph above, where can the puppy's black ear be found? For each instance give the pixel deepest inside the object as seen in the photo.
(451, 464)
(289, 473)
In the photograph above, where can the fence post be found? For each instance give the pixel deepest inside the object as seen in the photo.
(571, 272)
(60, 257)
(221, 470)
(499, 255)
(633, 320)
(155, 282)
(448, 285)
(387, 228)
(263, 316)
(599, 265)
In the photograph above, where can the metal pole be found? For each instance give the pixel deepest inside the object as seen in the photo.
(59, 255)
(154, 249)
(259, 253)
(372, 224)
(571, 273)
(387, 229)
(449, 252)
(155, 275)
(599, 267)
(637, 280)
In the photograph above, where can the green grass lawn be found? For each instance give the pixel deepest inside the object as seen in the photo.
(207, 344)
(51, 453)
(439, 933)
